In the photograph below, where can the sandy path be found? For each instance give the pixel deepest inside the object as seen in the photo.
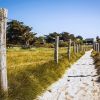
(78, 83)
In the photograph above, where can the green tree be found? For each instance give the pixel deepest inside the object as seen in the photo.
(19, 34)
(97, 39)
(41, 39)
(65, 36)
(51, 37)
(79, 37)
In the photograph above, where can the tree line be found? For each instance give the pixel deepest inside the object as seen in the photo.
(20, 34)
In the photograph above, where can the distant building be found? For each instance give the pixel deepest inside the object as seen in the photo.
(89, 41)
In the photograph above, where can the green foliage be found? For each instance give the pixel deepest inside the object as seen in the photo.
(19, 34)
(41, 40)
(64, 36)
(49, 45)
(98, 39)
(79, 37)
(63, 44)
(51, 37)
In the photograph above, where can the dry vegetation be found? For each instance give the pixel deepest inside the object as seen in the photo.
(31, 71)
(96, 57)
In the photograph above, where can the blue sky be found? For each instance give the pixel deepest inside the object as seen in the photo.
(79, 17)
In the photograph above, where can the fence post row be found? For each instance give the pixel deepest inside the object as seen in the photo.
(74, 47)
(84, 47)
(79, 47)
(69, 49)
(99, 46)
(96, 47)
(3, 67)
(56, 49)
(93, 46)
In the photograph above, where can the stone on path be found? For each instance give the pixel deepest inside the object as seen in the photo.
(78, 83)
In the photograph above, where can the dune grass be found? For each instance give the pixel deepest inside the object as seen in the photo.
(96, 57)
(30, 72)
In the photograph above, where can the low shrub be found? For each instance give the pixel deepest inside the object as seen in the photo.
(49, 45)
(63, 44)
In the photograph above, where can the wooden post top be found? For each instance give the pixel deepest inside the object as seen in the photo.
(3, 13)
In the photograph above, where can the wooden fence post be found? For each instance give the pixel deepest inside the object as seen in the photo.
(69, 49)
(56, 49)
(3, 66)
(94, 46)
(74, 47)
(77, 50)
(97, 47)
(84, 47)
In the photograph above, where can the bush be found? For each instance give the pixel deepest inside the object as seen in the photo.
(38, 44)
(49, 45)
(63, 44)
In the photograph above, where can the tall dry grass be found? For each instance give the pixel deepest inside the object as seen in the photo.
(30, 72)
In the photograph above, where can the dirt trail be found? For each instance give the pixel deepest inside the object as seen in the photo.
(78, 83)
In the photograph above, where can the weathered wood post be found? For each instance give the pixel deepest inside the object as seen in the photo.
(69, 49)
(94, 46)
(79, 47)
(3, 66)
(74, 47)
(97, 47)
(84, 47)
(77, 50)
(56, 49)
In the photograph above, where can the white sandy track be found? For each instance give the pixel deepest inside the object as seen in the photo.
(78, 83)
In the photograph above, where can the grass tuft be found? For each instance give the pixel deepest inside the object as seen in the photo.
(96, 57)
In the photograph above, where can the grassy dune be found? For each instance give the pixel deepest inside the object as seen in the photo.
(96, 57)
(31, 71)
